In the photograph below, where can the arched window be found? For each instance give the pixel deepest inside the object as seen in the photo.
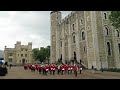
(73, 39)
(73, 27)
(61, 43)
(107, 30)
(74, 55)
(119, 47)
(81, 21)
(118, 33)
(61, 57)
(83, 36)
(109, 50)
(84, 48)
(105, 16)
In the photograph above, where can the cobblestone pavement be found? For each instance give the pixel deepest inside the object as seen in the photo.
(20, 73)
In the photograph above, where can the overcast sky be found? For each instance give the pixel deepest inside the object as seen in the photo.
(25, 26)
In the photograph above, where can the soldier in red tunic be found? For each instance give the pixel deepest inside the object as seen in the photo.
(46, 69)
(25, 67)
(53, 69)
(39, 69)
(71, 68)
(75, 70)
(68, 69)
(58, 69)
(63, 69)
(43, 69)
(33, 68)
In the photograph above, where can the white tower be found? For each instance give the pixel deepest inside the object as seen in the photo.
(55, 18)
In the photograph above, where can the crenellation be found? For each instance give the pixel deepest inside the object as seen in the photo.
(17, 55)
(92, 50)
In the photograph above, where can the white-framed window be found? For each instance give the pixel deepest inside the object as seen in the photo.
(21, 55)
(25, 55)
(10, 59)
(11, 54)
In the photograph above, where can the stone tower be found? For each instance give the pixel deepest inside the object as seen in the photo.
(55, 18)
(30, 52)
(21, 54)
(18, 50)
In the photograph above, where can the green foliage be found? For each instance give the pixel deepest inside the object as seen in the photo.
(115, 19)
(35, 53)
(42, 54)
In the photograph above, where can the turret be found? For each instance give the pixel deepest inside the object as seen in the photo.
(55, 17)
(30, 46)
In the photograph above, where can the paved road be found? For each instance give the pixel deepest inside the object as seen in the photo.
(20, 73)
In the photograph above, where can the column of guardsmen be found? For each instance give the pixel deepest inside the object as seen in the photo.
(53, 68)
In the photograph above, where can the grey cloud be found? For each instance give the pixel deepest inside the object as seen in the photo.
(27, 23)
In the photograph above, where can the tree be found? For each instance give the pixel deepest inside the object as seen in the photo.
(42, 54)
(115, 19)
(35, 53)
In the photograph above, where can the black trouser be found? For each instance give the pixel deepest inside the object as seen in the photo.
(80, 71)
(62, 72)
(75, 72)
(43, 71)
(65, 71)
(46, 72)
(71, 71)
(68, 72)
(58, 71)
(40, 71)
(53, 72)
(50, 71)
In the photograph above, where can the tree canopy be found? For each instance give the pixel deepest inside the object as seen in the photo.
(41, 54)
(115, 19)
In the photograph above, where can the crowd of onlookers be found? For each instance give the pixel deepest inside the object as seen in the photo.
(54, 68)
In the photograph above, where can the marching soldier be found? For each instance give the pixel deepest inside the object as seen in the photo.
(39, 69)
(53, 69)
(75, 70)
